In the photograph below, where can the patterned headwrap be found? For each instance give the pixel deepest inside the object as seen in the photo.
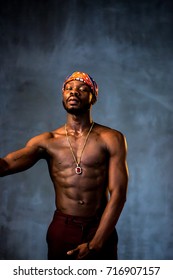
(83, 77)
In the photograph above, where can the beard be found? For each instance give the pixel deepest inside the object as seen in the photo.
(77, 111)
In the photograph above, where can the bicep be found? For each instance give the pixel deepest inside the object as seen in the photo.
(26, 157)
(118, 170)
(22, 159)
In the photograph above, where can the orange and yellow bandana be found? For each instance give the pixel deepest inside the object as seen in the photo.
(83, 77)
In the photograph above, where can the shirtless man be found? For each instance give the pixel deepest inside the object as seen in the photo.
(87, 165)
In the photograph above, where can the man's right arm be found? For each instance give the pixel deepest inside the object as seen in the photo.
(3, 167)
(24, 158)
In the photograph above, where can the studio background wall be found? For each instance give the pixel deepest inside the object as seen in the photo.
(127, 46)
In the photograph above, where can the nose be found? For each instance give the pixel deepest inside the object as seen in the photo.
(74, 92)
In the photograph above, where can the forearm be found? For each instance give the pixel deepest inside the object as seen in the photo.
(108, 221)
(3, 167)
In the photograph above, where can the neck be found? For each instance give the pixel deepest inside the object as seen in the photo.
(78, 123)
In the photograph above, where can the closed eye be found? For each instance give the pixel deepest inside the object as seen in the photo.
(84, 89)
(68, 88)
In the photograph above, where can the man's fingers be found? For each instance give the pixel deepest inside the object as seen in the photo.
(72, 251)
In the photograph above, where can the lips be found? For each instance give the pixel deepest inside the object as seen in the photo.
(73, 100)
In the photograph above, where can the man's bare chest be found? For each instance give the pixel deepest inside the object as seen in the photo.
(93, 154)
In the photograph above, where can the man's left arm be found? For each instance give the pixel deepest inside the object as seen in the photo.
(117, 185)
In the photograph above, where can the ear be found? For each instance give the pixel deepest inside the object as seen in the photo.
(93, 99)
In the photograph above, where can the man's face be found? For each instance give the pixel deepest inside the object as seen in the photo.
(77, 97)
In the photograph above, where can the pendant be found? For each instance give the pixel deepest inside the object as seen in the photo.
(78, 170)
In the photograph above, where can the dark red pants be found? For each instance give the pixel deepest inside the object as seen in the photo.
(66, 232)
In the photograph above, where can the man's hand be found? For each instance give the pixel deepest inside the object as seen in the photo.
(82, 250)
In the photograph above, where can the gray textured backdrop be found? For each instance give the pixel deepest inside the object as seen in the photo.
(127, 46)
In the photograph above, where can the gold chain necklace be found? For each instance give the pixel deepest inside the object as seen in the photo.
(78, 169)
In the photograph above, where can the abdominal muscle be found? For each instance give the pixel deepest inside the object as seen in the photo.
(80, 195)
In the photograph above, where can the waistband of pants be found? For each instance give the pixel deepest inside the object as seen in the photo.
(76, 219)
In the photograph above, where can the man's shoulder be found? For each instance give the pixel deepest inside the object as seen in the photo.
(52, 134)
(106, 131)
(58, 132)
(38, 139)
(45, 137)
(113, 138)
